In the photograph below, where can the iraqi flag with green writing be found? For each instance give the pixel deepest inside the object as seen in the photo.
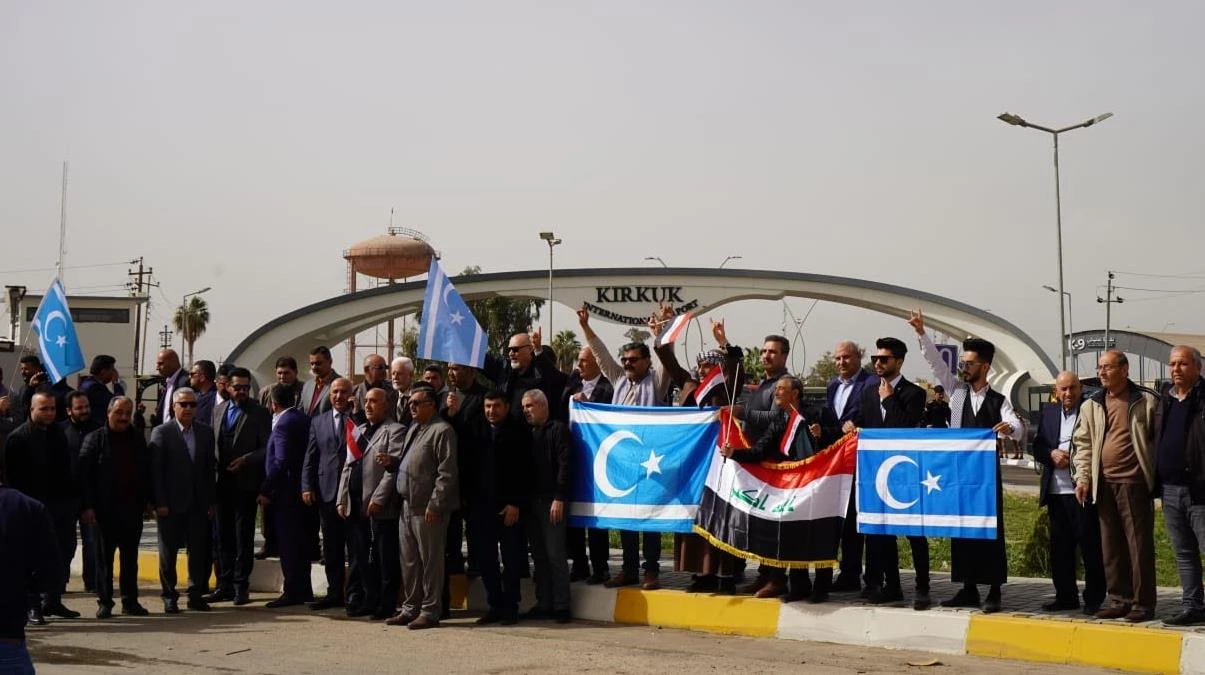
(787, 514)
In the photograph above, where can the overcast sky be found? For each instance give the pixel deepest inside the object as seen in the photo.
(245, 145)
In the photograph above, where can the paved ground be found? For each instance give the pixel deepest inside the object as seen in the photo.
(296, 641)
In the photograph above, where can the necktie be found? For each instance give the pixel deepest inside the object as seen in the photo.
(232, 413)
(630, 397)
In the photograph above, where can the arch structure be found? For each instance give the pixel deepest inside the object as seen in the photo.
(628, 295)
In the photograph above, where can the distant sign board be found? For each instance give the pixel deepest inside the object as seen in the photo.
(949, 354)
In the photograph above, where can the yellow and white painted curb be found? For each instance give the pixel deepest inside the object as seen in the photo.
(1045, 639)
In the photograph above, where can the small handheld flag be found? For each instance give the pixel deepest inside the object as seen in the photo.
(714, 379)
(57, 340)
(676, 327)
(449, 331)
(355, 441)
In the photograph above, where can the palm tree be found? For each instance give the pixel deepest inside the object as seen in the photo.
(567, 347)
(191, 320)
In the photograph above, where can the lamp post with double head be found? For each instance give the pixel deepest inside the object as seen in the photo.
(552, 241)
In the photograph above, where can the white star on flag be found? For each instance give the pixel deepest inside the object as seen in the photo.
(653, 464)
(931, 482)
(456, 317)
(60, 340)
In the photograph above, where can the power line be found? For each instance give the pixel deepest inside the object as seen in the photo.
(1163, 290)
(1163, 276)
(70, 267)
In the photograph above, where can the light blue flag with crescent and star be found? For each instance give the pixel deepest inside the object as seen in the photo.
(927, 482)
(449, 331)
(640, 468)
(57, 340)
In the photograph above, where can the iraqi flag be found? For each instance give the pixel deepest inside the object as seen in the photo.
(677, 326)
(355, 441)
(714, 379)
(787, 514)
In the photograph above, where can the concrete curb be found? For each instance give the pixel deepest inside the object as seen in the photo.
(1046, 639)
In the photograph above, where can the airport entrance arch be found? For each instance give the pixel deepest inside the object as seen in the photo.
(627, 295)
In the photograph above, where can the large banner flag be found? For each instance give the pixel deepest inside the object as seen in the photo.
(639, 468)
(57, 339)
(927, 482)
(787, 514)
(449, 331)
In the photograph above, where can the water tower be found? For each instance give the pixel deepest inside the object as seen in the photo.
(399, 254)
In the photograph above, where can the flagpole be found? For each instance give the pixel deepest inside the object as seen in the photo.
(63, 224)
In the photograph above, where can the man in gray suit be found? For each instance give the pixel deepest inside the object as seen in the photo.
(368, 500)
(183, 489)
(315, 393)
(427, 481)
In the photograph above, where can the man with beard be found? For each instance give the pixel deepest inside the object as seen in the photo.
(242, 442)
(401, 378)
(37, 462)
(167, 364)
(315, 393)
(528, 365)
(79, 423)
(115, 474)
(101, 384)
(201, 378)
(895, 403)
(974, 404)
(286, 374)
(637, 383)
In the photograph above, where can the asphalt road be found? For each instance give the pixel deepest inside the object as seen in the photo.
(297, 641)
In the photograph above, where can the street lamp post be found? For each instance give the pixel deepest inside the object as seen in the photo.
(658, 259)
(1070, 321)
(551, 239)
(184, 314)
(731, 257)
(1017, 120)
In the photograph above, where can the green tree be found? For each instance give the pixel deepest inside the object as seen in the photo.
(637, 335)
(501, 318)
(752, 367)
(191, 320)
(567, 347)
(822, 371)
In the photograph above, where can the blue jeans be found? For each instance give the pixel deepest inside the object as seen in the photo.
(1186, 528)
(14, 658)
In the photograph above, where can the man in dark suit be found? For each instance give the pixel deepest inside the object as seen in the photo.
(37, 462)
(843, 402)
(463, 406)
(551, 479)
(368, 500)
(587, 383)
(101, 384)
(79, 423)
(115, 482)
(1072, 524)
(242, 442)
(315, 393)
(282, 489)
(167, 364)
(183, 491)
(325, 455)
(895, 403)
(494, 488)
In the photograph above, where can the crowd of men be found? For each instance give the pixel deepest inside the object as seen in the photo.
(392, 474)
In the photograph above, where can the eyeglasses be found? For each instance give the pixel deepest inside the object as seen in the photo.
(963, 365)
(375, 368)
(880, 358)
(241, 387)
(631, 359)
(1108, 367)
(511, 350)
(186, 404)
(415, 404)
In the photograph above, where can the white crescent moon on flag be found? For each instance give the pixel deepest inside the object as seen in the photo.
(600, 464)
(447, 289)
(51, 316)
(880, 482)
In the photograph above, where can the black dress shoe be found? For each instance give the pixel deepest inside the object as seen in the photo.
(703, 584)
(510, 617)
(171, 607)
(220, 596)
(34, 617)
(104, 612)
(562, 616)
(727, 586)
(1091, 610)
(1060, 605)
(963, 598)
(492, 616)
(199, 605)
(578, 574)
(882, 596)
(991, 604)
(60, 610)
(241, 599)
(921, 601)
(134, 610)
(796, 595)
(537, 614)
(1186, 618)
(329, 602)
(357, 612)
(283, 601)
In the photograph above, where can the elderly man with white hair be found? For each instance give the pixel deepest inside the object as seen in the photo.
(401, 379)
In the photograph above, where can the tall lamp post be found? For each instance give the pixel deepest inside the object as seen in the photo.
(552, 241)
(184, 308)
(658, 259)
(1070, 321)
(1017, 120)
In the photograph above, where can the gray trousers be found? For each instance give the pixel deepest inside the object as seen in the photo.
(1186, 528)
(422, 562)
(551, 574)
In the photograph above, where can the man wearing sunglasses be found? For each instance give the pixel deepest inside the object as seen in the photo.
(528, 365)
(242, 443)
(636, 383)
(974, 404)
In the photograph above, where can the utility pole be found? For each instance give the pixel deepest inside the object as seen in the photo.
(1109, 301)
(141, 287)
(165, 338)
